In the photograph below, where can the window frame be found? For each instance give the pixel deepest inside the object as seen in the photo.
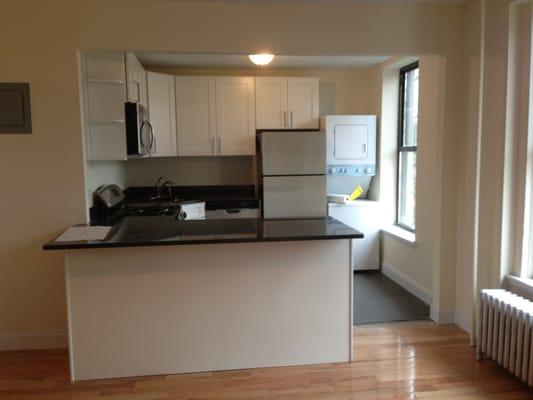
(400, 147)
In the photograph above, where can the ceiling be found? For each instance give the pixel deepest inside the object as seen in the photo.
(241, 61)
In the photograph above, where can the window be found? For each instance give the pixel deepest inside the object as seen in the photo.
(407, 141)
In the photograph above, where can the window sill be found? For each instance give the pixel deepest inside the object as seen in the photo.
(520, 286)
(404, 235)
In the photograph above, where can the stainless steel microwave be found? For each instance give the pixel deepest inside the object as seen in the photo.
(139, 131)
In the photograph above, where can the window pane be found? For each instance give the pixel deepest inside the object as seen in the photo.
(410, 107)
(407, 189)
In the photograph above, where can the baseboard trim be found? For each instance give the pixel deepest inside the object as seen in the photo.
(407, 283)
(442, 317)
(462, 322)
(33, 340)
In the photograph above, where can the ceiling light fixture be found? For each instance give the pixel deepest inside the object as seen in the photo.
(261, 59)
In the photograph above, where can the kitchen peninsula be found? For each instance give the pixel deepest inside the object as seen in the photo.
(160, 296)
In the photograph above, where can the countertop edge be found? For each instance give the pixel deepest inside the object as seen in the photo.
(103, 245)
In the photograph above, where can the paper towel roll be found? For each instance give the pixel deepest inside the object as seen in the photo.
(338, 198)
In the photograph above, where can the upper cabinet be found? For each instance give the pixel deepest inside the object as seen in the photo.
(215, 115)
(136, 81)
(287, 103)
(235, 113)
(302, 103)
(104, 94)
(162, 113)
(196, 115)
(271, 103)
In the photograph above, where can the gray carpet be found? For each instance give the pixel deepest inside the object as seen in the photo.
(379, 299)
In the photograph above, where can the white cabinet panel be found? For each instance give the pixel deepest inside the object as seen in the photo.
(104, 65)
(303, 103)
(365, 216)
(196, 115)
(271, 102)
(106, 141)
(161, 108)
(136, 80)
(235, 105)
(105, 101)
(104, 94)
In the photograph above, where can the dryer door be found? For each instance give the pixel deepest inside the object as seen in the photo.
(350, 142)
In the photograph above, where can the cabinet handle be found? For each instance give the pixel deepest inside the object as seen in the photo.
(212, 145)
(285, 119)
(138, 85)
(290, 115)
(219, 145)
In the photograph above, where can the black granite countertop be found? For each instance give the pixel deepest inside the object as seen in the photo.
(164, 231)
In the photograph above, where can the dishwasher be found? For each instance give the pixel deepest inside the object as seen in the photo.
(223, 213)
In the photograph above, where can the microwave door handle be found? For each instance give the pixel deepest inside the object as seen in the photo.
(152, 137)
(140, 139)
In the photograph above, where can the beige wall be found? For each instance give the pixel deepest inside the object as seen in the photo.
(416, 263)
(44, 171)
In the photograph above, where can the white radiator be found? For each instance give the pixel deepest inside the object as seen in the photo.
(505, 334)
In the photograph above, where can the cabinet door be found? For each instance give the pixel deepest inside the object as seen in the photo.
(271, 103)
(235, 104)
(162, 111)
(303, 103)
(136, 80)
(195, 114)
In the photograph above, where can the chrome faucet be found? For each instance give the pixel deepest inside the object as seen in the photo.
(160, 186)
(169, 185)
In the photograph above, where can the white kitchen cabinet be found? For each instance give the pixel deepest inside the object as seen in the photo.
(196, 115)
(302, 103)
(271, 103)
(365, 216)
(235, 116)
(162, 113)
(136, 80)
(104, 94)
(287, 103)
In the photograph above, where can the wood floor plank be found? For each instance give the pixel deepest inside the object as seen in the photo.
(418, 360)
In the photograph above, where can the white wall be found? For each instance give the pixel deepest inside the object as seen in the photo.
(46, 167)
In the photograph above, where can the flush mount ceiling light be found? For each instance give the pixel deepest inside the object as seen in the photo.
(261, 59)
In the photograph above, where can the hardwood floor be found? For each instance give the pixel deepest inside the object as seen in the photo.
(418, 360)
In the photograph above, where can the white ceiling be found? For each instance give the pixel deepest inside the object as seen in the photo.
(242, 61)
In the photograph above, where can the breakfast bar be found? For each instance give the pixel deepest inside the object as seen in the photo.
(161, 296)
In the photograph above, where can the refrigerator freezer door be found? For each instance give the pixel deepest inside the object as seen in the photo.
(294, 197)
(293, 153)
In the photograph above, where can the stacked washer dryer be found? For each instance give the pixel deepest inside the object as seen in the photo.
(351, 162)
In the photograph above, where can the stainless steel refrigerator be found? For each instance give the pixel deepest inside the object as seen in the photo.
(292, 167)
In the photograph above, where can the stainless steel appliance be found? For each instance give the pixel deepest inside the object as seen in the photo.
(139, 131)
(292, 167)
